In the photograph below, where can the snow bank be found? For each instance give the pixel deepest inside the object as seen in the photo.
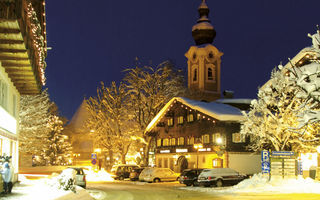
(261, 184)
(101, 175)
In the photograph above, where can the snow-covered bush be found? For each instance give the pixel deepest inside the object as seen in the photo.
(65, 180)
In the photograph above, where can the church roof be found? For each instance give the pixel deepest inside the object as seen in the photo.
(219, 111)
(203, 32)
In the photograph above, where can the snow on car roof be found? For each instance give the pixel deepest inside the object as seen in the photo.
(219, 111)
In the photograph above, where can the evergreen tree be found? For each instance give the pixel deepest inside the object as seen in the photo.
(59, 151)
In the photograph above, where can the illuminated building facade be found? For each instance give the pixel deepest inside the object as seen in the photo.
(22, 53)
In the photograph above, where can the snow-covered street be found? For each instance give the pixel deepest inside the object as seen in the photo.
(257, 187)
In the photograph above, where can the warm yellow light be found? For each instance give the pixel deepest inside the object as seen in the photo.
(97, 150)
(219, 140)
(318, 149)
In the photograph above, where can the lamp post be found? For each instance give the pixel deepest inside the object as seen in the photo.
(198, 145)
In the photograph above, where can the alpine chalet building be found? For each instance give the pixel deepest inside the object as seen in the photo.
(198, 131)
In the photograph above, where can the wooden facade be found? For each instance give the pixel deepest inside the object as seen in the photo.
(180, 125)
(23, 45)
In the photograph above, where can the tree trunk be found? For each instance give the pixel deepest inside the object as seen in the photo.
(146, 151)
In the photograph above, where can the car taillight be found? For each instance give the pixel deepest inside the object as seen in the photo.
(185, 177)
(84, 178)
(209, 177)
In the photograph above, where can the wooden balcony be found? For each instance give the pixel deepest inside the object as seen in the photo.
(23, 43)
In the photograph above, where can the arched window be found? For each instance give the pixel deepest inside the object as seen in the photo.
(210, 75)
(195, 75)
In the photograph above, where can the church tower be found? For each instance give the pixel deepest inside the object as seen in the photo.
(204, 59)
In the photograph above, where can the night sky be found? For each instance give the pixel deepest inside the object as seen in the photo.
(94, 41)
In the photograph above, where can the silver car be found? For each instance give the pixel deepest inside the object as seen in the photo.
(80, 178)
(157, 175)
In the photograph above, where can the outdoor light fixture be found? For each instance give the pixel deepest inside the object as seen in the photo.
(219, 140)
(97, 150)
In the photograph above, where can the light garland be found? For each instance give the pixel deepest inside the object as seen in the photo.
(38, 41)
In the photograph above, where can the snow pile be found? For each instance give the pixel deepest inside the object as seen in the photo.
(101, 175)
(260, 184)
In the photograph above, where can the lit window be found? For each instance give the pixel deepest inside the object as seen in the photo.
(217, 163)
(172, 141)
(191, 141)
(170, 121)
(238, 138)
(198, 116)
(205, 138)
(159, 143)
(218, 139)
(195, 75)
(181, 141)
(166, 142)
(190, 117)
(180, 120)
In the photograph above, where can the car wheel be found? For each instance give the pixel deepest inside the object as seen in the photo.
(121, 178)
(195, 183)
(188, 184)
(219, 183)
(156, 180)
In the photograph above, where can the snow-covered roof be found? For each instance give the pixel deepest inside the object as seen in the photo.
(238, 101)
(219, 111)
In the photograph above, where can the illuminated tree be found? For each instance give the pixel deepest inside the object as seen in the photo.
(150, 88)
(286, 114)
(113, 126)
(59, 149)
(34, 116)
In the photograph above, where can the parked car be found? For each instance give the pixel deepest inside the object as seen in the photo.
(190, 177)
(157, 175)
(134, 175)
(219, 177)
(122, 171)
(80, 178)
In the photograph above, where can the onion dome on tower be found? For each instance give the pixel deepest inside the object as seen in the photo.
(203, 32)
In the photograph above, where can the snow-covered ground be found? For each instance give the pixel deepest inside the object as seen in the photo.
(261, 184)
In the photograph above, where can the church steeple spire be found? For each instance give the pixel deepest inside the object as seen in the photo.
(203, 32)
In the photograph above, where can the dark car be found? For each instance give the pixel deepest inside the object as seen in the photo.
(134, 175)
(220, 177)
(122, 171)
(190, 177)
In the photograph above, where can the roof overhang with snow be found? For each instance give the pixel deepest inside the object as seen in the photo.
(219, 111)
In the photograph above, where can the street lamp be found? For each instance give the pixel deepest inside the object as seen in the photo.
(197, 145)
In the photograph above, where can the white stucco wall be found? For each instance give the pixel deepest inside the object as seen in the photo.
(246, 163)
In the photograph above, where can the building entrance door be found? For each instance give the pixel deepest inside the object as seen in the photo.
(182, 163)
